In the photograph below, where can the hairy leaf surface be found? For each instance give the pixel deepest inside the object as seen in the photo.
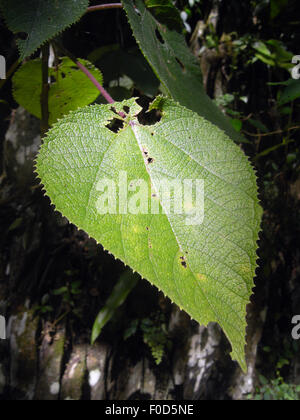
(174, 64)
(40, 20)
(68, 83)
(207, 269)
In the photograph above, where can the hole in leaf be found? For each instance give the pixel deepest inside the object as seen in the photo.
(181, 64)
(158, 36)
(136, 9)
(114, 110)
(126, 109)
(115, 125)
(63, 75)
(22, 35)
(150, 160)
(120, 114)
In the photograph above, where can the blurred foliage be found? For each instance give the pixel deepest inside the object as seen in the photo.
(154, 332)
(123, 287)
(275, 390)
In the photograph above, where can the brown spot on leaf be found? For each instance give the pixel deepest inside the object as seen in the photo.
(183, 263)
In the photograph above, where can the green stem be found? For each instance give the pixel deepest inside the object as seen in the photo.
(104, 7)
(45, 89)
(106, 95)
(103, 92)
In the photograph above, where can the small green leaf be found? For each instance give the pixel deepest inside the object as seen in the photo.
(258, 124)
(131, 330)
(277, 6)
(205, 265)
(60, 291)
(290, 93)
(236, 124)
(16, 224)
(126, 283)
(40, 20)
(263, 380)
(165, 12)
(273, 53)
(65, 93)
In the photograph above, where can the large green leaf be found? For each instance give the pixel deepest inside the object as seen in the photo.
(206, 268)
(174, 64)
(65, 93)
(40, 20)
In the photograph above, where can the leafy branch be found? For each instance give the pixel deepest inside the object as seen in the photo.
(271, 133)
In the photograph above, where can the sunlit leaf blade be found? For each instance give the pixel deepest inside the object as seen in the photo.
(174, 65)
(40, 20)
(206, 269)
(65, 93)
